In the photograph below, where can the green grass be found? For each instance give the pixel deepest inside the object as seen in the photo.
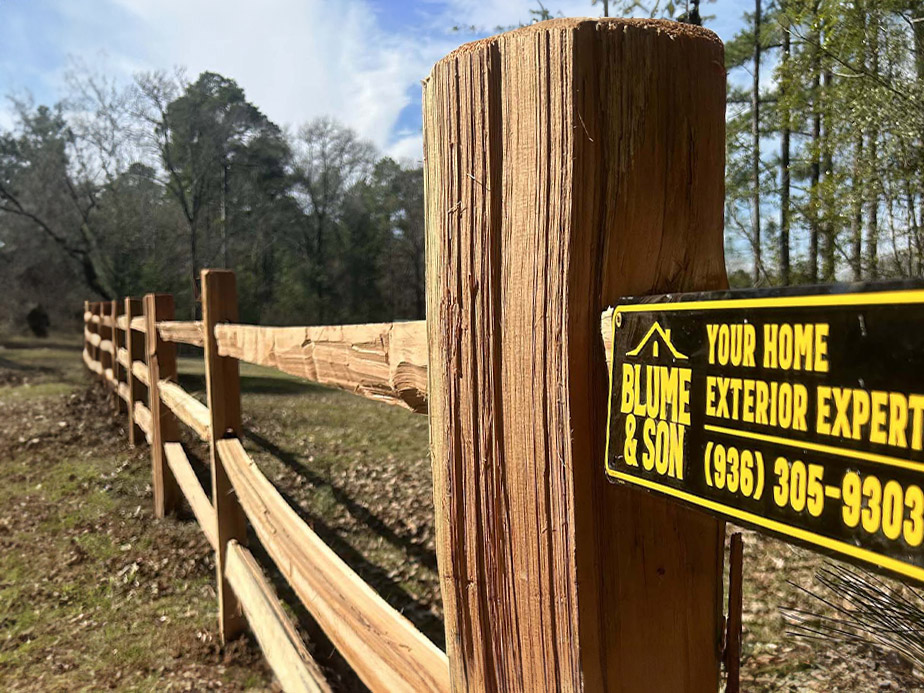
(94, 592)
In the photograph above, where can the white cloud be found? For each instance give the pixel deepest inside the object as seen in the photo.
(296, 59)
(407, 149)
(489, 14)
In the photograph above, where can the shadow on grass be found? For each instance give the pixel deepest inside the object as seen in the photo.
(254, 385)
(397, 596)
(415, 611)
(360, 512)
(14, 366)
(375, 575)
(37, 343)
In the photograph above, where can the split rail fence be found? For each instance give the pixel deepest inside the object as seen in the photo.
(566, 164)
(131, 345)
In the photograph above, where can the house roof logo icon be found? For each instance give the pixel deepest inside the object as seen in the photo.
(657, 336)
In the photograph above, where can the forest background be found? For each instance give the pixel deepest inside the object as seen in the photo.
(121, 187)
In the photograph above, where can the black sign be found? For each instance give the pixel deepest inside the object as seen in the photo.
(798, 415)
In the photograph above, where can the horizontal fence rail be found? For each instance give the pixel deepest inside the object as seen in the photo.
(385, 362)
(383, 647)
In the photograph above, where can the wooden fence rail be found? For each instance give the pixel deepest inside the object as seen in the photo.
(566, 164)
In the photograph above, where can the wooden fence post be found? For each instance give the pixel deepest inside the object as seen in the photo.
(134, 345)
(161, 358)
(219, 304)
(567, 164)
(118, 340)
(86, 325)
(96, 328)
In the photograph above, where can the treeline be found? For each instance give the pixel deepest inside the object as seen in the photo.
(825, 177)
(121, 191)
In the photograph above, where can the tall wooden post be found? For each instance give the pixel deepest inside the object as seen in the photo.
(567, 164)
(134, 344)
(161, 358)
(219, 304)
(118, 341)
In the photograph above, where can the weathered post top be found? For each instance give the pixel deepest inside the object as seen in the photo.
(567, 164)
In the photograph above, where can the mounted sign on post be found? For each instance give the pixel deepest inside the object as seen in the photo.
(799, 415)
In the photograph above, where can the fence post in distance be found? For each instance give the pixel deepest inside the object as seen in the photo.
(161, 359)
(134, 345)
(222, 378)
(118, 340)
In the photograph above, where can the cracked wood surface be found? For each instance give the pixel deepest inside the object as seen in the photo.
(385, 362)
(566, 164)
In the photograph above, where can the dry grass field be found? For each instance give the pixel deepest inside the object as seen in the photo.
(95, 594)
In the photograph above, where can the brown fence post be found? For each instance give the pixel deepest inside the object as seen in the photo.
(566, 164)
(86, 326)
(161, 358)
(96, 328)
(134, 345)
(219, 304)
(117, 342)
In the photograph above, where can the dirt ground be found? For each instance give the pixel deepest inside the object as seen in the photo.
(96, 594)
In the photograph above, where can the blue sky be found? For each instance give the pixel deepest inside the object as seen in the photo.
(360, 61)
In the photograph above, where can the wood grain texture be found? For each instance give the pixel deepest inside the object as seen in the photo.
(161, 361)
(187, 408)
(294, 667)
(188, 332)
(383, 361)
(566, 164)
(223, 388)
(189, 484)
(382, 646)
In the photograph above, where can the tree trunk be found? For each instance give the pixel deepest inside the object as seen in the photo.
(830, 225)
(755, 144)
(194, 265)
(320, 288)
(785, 177)
(872, 219)
(91, 276)
(815, 176)
(856, 219)
(224, 217)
